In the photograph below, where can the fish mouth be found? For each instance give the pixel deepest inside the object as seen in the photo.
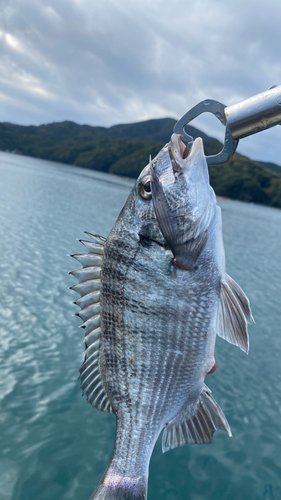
(175, 159)
(182, 155)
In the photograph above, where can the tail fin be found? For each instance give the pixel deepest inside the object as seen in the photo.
(115, 487)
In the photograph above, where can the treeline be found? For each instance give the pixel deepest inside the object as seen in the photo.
(125, 150)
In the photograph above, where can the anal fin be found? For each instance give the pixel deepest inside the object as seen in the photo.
(233, 314)
(199, 425)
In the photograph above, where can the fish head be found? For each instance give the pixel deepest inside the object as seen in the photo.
(183, 200)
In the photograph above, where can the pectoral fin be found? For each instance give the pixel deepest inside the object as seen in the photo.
(187, 253)
(233, 314)
(199, 425)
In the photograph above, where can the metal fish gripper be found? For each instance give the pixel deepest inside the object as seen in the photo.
(248, 117)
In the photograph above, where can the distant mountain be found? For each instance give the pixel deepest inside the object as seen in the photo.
(272, 166)
(124, 150)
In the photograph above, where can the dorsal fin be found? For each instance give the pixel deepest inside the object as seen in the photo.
(233, 314)
(89, 290)
(197, 425)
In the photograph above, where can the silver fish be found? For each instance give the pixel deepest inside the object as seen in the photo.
(154, 295)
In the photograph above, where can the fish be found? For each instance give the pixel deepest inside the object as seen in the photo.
(153, 296)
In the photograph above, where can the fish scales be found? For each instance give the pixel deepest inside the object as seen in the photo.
(164, 295)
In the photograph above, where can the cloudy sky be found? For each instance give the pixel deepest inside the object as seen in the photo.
(103, 62)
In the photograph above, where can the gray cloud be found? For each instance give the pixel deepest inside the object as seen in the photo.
(120, 61)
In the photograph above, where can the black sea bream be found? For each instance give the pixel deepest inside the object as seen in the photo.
(154, 295)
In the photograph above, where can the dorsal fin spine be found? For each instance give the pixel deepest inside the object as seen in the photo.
(92, 348)
(89, 290)
(100, 240)
(92, 336)
(89, 311)
(92, 247)
(86, 287)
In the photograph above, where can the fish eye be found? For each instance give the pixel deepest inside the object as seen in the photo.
(145, 188)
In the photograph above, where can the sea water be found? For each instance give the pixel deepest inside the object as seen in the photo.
(56, 447)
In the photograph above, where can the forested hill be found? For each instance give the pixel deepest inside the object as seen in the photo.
(125, 149)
